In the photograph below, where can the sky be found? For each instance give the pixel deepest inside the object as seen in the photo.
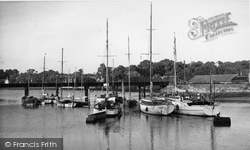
(29, 30)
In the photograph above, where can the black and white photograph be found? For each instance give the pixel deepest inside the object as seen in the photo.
(125, 75)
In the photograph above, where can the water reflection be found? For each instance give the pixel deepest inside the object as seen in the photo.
(132, 130)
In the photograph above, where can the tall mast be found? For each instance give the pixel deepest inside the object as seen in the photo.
(175, 59)
(184, 72)
(75, 84)
(43, 74)
(62, 75)
(81, 82)
(150, 74)
(68, 82)
(107, 78)
(129, 68)
(211, 82)
(113, 82)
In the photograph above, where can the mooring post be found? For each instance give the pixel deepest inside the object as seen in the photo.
(139, 87)
(26, 91)
(144, 91)
(116, 90)
(57, 91)
(86, 89)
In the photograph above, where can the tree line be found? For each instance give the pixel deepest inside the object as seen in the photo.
(160, 70)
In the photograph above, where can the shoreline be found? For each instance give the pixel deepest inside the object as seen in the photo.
(233, 99)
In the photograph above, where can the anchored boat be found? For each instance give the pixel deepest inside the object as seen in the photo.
(154, 105)
(200, 106)
(107, 102)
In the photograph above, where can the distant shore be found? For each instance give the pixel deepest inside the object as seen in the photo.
(234, 99)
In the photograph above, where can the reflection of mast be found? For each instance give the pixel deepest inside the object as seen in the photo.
(212, 138)
(177, 121)
(130, 133)
(106, 130)
(152, 137)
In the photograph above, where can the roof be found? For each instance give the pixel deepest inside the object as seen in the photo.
(225, 78)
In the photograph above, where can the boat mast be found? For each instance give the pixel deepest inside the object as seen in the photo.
(107, 78)
(43, 87)
(62, 75)
(81, 82)
(150, 74)
(113, 80)
(210, 96)
(75, 84)
(68, 82)
(129, 69)
(175, 59)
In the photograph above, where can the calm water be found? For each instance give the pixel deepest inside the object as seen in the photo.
(133, 130)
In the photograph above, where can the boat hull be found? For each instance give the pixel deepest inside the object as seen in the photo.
(48, 101)
(198, 110)
(96, 116)
(81, 104)
(112, 112)
(157, 109)
(30, 101)
(65, 105)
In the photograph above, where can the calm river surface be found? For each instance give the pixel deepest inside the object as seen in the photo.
(132, 131)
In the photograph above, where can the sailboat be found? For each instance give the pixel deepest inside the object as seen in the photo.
(200, 107)
(66, 102)
(78, 101)
(28, 100)
(154, 105)
(130, 100)
(45, 98)
(107, 103)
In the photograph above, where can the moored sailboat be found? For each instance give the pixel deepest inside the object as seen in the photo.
(79, 101)
(66, 102)
(130, 100)
(109, 102)
(198, 107)
(154, 105)
(29, 100)
(45, 98)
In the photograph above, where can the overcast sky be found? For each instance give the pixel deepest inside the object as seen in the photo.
(28, 30)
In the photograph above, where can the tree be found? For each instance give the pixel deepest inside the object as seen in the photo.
(158, 68)
(101, 71)
(120, 73)
(3, 75)
(144, 68)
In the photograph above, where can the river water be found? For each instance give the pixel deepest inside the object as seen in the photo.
(131, 131)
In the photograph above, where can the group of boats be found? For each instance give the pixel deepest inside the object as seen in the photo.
(66, 102)
(165, 105)
(69, 101)
(108, 105)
